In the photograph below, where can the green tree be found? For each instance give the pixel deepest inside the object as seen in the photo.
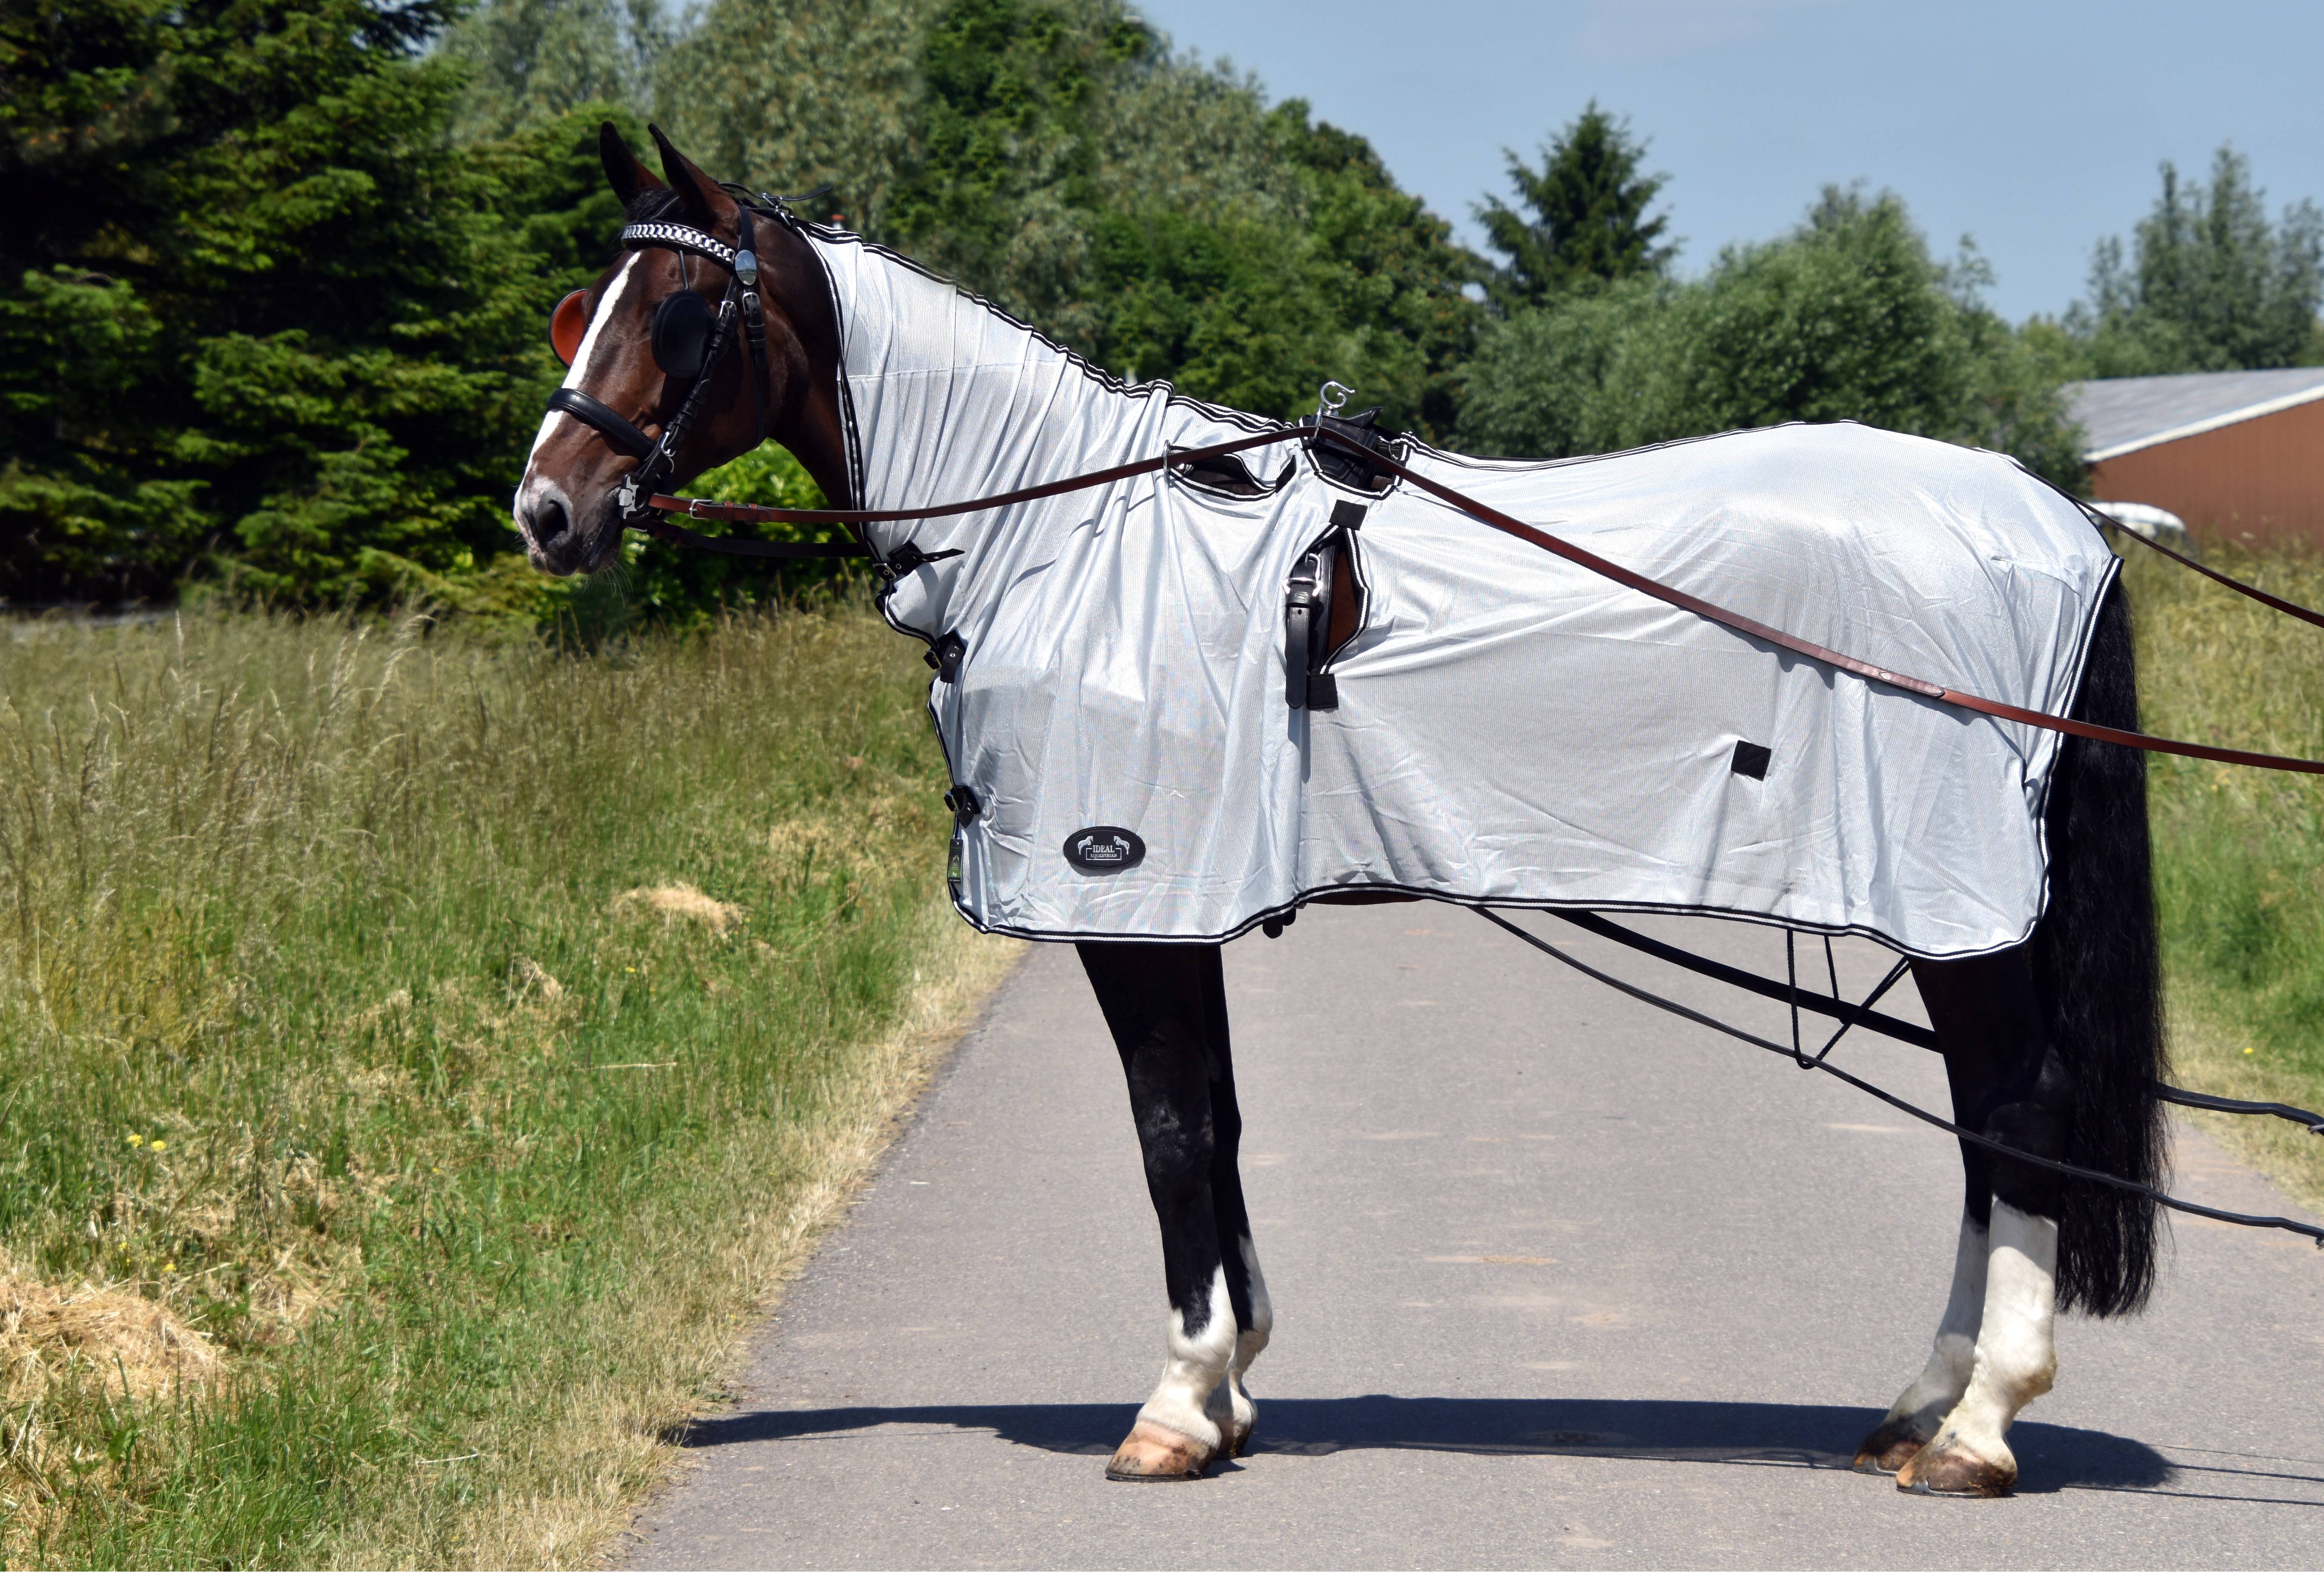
(1583, 218)
(2211, 284)
(316, 322)
(531, 60)
(1361, 283)
(1007, 147)
(1848, 317)
(810, 92)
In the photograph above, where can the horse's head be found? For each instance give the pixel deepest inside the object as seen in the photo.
(663, 368)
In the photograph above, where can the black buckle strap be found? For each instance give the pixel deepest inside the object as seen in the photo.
(907, 559)
(944, 656)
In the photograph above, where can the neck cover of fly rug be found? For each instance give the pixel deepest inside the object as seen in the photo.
(1511, 729)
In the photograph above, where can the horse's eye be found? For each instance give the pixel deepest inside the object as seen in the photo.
(682, 334)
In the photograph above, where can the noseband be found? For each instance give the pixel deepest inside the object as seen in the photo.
(679, 357)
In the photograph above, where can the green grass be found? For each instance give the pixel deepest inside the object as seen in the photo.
(470, 1169)
(324, 1024)
(2240, 852)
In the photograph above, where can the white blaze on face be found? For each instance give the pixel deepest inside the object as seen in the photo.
(537, 486)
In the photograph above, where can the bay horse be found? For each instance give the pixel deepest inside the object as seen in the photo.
(2051, 1043)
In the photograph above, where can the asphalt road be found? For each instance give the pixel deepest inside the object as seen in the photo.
(1558, 1278)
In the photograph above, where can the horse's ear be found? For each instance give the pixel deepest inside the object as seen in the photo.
(709, 208)
(622, 172)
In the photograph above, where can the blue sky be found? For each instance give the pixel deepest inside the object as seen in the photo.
(2037, 128)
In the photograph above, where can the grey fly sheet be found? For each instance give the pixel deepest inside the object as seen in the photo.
(1115, 696)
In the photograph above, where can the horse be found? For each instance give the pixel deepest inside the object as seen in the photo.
(2051, 1035)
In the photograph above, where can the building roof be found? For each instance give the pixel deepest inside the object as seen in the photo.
(2121, 414)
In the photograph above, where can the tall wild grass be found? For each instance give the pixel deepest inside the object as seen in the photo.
(2240, 852)
(415, 1024)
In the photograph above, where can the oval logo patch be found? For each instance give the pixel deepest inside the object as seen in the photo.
(1104, 849)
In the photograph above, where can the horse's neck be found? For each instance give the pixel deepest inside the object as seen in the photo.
(949, 398)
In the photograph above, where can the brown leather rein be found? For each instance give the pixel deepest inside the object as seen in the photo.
(747, 512)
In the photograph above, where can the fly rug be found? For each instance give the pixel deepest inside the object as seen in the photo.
(1188, 700)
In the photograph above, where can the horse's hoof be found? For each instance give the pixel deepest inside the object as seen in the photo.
(1236, 1439)
(1946, 1467)
(1152, 1453)
(1891, 1444)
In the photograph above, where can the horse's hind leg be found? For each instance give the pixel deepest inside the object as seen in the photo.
(1912, 1419)
(1995, 1350)
(1157, 1006)
(1231, 1405)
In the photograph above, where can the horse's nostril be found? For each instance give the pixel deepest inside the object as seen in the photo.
(550, 521)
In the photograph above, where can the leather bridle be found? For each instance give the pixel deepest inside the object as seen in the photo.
(739, 306)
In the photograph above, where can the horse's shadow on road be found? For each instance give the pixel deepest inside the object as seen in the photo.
(2051, 1457)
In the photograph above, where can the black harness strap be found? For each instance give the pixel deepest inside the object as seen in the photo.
(1734, 977)
(1864, 1016)
(1975, 1138)
(2312, 1123)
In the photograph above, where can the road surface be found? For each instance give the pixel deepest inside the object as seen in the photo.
(1558, 1280)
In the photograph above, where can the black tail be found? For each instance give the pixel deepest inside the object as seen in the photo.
(2099, 971)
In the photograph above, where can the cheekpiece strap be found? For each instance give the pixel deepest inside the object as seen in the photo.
(678, 237)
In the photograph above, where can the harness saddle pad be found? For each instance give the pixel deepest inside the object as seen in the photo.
(1510, 728)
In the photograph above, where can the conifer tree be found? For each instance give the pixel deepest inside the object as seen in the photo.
(255, 307)
(1584, 214)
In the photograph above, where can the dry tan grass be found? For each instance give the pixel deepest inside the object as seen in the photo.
(110, 1335)
(676, 903)
(529, 981)
(679, 1342)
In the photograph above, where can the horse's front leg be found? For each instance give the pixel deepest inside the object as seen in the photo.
(1230, 1407)
(1157, 1006)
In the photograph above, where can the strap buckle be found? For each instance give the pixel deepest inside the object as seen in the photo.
(944, 656)
(910, 558)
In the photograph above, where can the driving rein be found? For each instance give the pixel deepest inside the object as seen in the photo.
(679, 352)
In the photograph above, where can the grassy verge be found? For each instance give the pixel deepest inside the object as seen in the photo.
(2240, 852)
(419, 1056)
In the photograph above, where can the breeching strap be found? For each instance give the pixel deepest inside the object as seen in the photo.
(1872, 1020)
(1975, 1138)
(741, 512)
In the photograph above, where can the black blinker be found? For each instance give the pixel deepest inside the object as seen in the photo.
(682, 324)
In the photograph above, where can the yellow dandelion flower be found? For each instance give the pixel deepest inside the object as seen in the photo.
(160, 1145)
(169, 1266)
(136, 1140)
